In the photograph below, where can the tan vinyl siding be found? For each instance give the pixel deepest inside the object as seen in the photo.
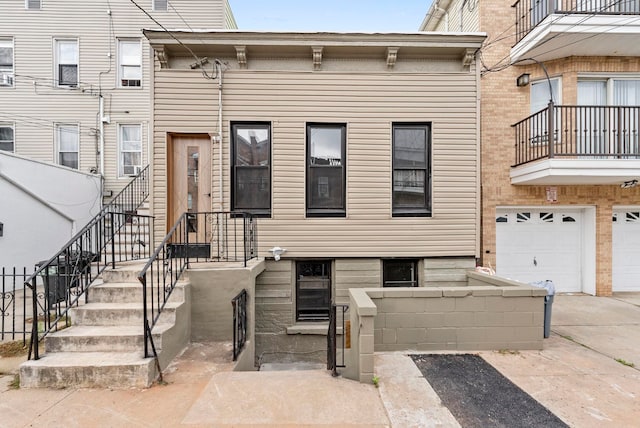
(368, 103)
(34, 105)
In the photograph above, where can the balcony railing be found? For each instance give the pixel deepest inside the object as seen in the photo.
(578, 132)
(529, 13)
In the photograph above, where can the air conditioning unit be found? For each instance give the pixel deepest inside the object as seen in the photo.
(131, 170)
(6, 79)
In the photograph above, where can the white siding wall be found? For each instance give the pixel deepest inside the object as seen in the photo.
(369, 102)
(462, 16)
(34, 105)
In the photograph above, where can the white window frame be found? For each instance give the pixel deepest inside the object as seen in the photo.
(6, 73)
(13, 128)
(122, 64)
(57, 63)
(26, 5)
(121, 151)
(155, 6)
(58, 129)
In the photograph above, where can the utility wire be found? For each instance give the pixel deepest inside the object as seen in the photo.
(198, 59)
(497, 67)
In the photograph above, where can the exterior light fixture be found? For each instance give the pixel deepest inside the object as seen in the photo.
(523, 80)
(277, 252)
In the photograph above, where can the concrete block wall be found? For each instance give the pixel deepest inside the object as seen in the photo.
(280, 338)
(489, 314)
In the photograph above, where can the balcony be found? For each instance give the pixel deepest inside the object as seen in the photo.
(551, 29)
(587, 145)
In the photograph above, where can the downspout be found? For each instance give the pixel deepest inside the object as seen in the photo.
(101, 133)
(220, 160)
(445, 13)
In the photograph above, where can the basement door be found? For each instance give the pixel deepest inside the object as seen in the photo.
(626, 249)
(189, 182)
(535, 245)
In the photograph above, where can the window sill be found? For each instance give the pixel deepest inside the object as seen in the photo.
(319, 329)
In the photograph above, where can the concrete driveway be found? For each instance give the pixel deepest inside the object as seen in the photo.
(576, 376)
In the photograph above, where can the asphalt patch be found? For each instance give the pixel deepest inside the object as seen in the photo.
(478, 395)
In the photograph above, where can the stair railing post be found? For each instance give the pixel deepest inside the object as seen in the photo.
(145, 320)
(113, 241)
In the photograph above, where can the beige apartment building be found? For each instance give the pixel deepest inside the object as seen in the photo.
(75, 80)
(560, 112)
(357, 153)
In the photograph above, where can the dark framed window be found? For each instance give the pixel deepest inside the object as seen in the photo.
(400, 273)
(251, 167)
(6, 137)
(411, 169)
(326, 169)
(313, 290)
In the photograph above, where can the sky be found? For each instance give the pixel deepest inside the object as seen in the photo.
(330, 15)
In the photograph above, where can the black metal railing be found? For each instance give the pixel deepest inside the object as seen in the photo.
(195, 237)
(579, 132)
(530, 13)
(239, 305)
(337, 316)
(15, 304)
(131, 197)
(112, 236)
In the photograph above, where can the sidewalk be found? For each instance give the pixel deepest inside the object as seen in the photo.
(576, 376)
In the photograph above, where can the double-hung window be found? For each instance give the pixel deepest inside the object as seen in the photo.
(411, 169)
(68, 145)
(313, 290)
(130, 150)
(326, 170)
(66, 68)
(7, 142)
(251, 167)
(130, 63)
(6, 61)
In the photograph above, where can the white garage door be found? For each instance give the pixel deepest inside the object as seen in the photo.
(535, 245)
(626, 250)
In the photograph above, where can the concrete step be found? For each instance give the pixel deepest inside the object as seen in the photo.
(125, 292)
(124, 271)
(88, 370)
(102, 339)
(117, 314)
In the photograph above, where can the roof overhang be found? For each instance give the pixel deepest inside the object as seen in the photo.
(244, 43)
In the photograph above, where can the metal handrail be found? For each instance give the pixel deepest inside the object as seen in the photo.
(332, 338)
(239, 305)
(86, 255)
(215, 236)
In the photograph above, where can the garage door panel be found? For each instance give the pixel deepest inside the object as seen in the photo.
(626, 249)
(535, 245)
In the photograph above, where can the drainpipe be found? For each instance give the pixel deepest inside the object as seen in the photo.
(101, 132)
(445, 13)
(220, 174)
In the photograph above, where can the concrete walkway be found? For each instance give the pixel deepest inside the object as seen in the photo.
(576, 376)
